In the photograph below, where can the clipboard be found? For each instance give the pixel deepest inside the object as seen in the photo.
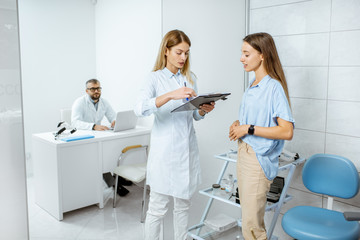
(196, 102)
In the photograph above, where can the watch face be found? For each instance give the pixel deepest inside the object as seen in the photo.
(251, 130)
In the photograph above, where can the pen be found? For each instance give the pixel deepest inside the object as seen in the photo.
(187, 99)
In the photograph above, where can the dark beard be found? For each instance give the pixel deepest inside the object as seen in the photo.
(95, 98)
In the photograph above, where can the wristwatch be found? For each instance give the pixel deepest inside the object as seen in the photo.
(93, 128)
(251, 130)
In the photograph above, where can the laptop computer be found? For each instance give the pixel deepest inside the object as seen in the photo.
(125, 120)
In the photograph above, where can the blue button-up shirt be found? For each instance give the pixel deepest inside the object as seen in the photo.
(261, 106)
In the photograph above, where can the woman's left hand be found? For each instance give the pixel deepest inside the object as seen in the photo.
(206, 108)
(237, 132)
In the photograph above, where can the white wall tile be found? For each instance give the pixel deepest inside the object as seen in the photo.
(296, 181)
(306, 143)
(344, 83)
(309, 114)
(345, 205)
(302, 198)
(269, 3)
(355, 201)
(343, 118)
(345, 15)
(307, 82)
(346, 146)
(298, 18)
(303, 50)
(345, 48)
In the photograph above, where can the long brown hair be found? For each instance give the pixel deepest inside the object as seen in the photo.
(170, 40)
(264, 44)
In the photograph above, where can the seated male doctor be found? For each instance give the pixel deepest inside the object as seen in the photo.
(89, 110)
(87, 113)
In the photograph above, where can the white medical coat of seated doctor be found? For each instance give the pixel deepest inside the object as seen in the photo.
(84, 114)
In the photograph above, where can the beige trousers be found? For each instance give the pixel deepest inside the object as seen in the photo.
(253, 186)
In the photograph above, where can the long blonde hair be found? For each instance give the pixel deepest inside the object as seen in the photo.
(264, 44)
(170, 40)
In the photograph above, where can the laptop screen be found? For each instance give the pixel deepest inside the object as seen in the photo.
(125, 120)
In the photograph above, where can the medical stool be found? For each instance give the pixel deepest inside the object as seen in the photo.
(133, 172)
(334, 176)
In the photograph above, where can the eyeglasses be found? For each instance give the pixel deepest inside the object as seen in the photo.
(93, 89)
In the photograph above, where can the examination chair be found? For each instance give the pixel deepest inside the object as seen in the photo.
(330, 175)
(133, 172)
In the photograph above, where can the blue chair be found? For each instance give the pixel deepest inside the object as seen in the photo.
(334, 176)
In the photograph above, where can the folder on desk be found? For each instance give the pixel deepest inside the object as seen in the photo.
(75, 138)
(196, 102)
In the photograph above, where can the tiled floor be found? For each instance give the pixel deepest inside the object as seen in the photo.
(121, 223)
(92, 223)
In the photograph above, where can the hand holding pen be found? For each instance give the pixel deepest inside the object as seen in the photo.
(182, 93)
(187, 99)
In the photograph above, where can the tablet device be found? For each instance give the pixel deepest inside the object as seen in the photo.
(196, 102)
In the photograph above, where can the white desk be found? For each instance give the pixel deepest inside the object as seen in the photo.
(68, 175)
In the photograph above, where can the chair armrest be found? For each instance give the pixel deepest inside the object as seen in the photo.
(130, 147)
(352, 216)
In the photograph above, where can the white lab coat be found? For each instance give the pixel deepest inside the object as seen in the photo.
(84, 114)
(173, 163)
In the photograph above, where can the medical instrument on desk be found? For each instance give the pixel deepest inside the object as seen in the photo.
(216, 189)
(237, 197)
(288, 156)
(230, 184)
(220, 222)
(63, 124)
(226, 185)
(62, 131)
(276, 188)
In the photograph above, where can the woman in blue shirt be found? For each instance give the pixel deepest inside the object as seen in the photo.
(265, 121)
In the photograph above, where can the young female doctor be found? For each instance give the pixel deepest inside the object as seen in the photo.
(265, 121)
(173, 164)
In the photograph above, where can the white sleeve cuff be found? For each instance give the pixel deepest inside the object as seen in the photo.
(148, 107)
(197, 115)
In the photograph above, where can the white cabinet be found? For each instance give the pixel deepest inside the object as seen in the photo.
(68, 175)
